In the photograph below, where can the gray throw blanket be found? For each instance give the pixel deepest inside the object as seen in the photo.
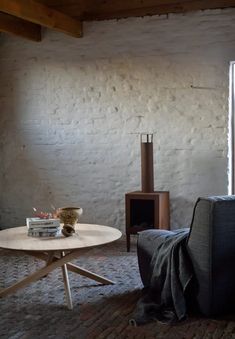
(170, 274)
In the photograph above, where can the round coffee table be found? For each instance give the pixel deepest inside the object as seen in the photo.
(57, 252)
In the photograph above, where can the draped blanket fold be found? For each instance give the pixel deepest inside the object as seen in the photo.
(170, 274)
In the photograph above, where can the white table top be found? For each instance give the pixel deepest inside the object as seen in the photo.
(87, 235)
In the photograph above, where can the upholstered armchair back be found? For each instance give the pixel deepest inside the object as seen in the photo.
(211, 246)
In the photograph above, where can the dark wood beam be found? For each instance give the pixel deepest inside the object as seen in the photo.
(22, 28)
(103, 9)
(123, 8)
(40, 14)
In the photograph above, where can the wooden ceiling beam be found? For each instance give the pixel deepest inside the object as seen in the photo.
(22, 28)
(40, 14)
(123, 8)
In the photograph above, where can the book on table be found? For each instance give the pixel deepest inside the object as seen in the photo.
(41, 223)
(43, 227)
(33, 233)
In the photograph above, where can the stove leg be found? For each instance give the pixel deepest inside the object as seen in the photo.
(128, 242)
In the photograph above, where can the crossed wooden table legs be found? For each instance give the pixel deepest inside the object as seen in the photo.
(55, 259)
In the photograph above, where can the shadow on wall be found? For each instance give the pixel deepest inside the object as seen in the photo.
(22, 188)
(28, 170)
(33, 174)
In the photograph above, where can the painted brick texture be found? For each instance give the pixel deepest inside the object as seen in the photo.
(72, 111)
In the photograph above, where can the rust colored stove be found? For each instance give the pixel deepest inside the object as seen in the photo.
(147, 208)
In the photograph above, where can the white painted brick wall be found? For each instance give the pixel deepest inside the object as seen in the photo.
(72, 111)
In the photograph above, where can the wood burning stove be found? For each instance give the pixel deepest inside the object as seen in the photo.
(147, 208)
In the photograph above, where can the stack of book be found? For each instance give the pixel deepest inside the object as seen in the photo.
(43, 227)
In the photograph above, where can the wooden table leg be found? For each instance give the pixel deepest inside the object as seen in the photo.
(49, 258)
(79, 270)
(39, 274)
(67, 285)
(88, 274)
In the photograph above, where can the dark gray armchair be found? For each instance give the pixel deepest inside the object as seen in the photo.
(211, 248)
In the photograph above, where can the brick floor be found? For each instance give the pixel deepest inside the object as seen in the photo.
(100, 312)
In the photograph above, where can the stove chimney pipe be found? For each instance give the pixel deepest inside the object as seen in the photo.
(147, 173)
